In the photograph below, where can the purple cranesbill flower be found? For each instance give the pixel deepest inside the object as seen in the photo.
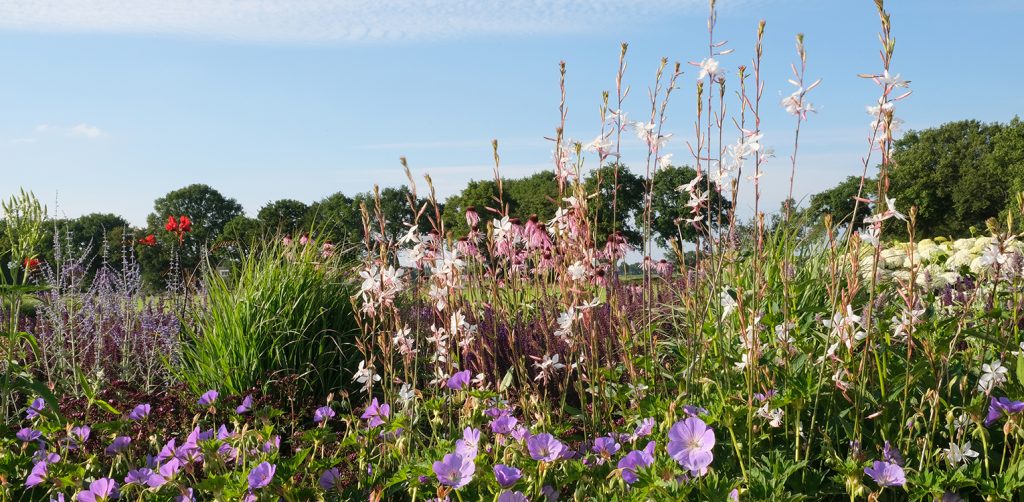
(1000, 406)
(273, 445)
(496, 411)
(503, 424)
(734, 495)
(28, 434)
(376, 413)
(506, 475)
(323, 414)
(208, 398)
(693, 411)
(331, 479)
(550, 493)
(223, 433)
(227, 452)
(644, 429)
(119, 445)
(100, 490)
(139, 476)
(765, 395)
(35, 408)
(140, 412)
(508, 496)
(690, 442)
(634, 461)
(81, 433)
(167, 471)
(454, 470)
(544, 447)
(38, 475)
(167, 452)
(469, 445)
(245, 406)
(41, 455)
(886, 474)
(261, 475)
(891, 454)
(186, 496)
(459, 380)
(605, 447)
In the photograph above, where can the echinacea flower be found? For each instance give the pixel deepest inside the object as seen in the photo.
(886, 474)
(544, 447)
(459, 380)
(99, 490)
(690, 442)
(140, 412)
(261, 475)
(635, 460)
(245, 406)
(376, 413)
(506, 475)
(208, 398)
(454, 470)
(323, 414)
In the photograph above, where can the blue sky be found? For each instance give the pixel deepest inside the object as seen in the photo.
(108, 104)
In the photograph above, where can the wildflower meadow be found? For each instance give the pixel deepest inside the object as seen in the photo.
(594, 332)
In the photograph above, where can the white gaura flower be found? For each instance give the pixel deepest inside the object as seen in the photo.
(589, 305)
(774, 417)
(888, 80)
(743, 362)
(708, 66)
(406, 394)
(959, 454)
(665, 161)
(412, 235)
(577, 271)
(728, 303)
(365, 374)
(546, 366)
(992, 375)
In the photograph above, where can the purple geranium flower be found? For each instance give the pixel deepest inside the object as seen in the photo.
(139, 476)
(504, 424)
(636, 460)
(119, 444)
(693, 411)
(81, 434)
(459, 380)
(41, 455)
(1000, 406)
(891, 454)
(508, 496)
(140, 412)
(376, 413)
(644, 429)
(38, 474)
(506, 475)
(520, 433)
(273, 445)
(208, 398)
(454, 470)
(245, 406)
(886, 474)
(544, 447)
(331, 480)
(469, 444)
(605, 447)
(35, 408)
(323, 414)
(99, 490)
(690, 443)
(28, 434)
(261, 475)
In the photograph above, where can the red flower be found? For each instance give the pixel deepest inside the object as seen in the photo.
(172, 225)
(31, 263)
(185, 224)
(149, 240)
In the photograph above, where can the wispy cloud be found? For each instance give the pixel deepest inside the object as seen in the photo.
(81, 130)
(332, 20)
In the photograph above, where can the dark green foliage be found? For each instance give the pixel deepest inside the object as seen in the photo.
(285, 216)
(669, 205)
(628, 203)
(839, 202)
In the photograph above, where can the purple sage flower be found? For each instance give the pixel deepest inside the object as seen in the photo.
(886, 474)
(100, 490)
(261, 475)
(544, 447)
(140, 412)
(1000, 406)
(376, 413)
(38, 475)
(508, 496)
(245, 406)
(331, 480)
(119, 445)
(459, 380)
(323, 414)
(634, 461)
(506, 475)
(208, 398)
(454, 470)
(28, 434)
(690, 442)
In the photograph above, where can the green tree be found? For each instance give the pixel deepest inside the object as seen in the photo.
(209, 211)
(839, 201)
(481, 195)
(337, 216)
(627, 196)
(669, 208)
(285, 216)
(394, 206)
(101, 237)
